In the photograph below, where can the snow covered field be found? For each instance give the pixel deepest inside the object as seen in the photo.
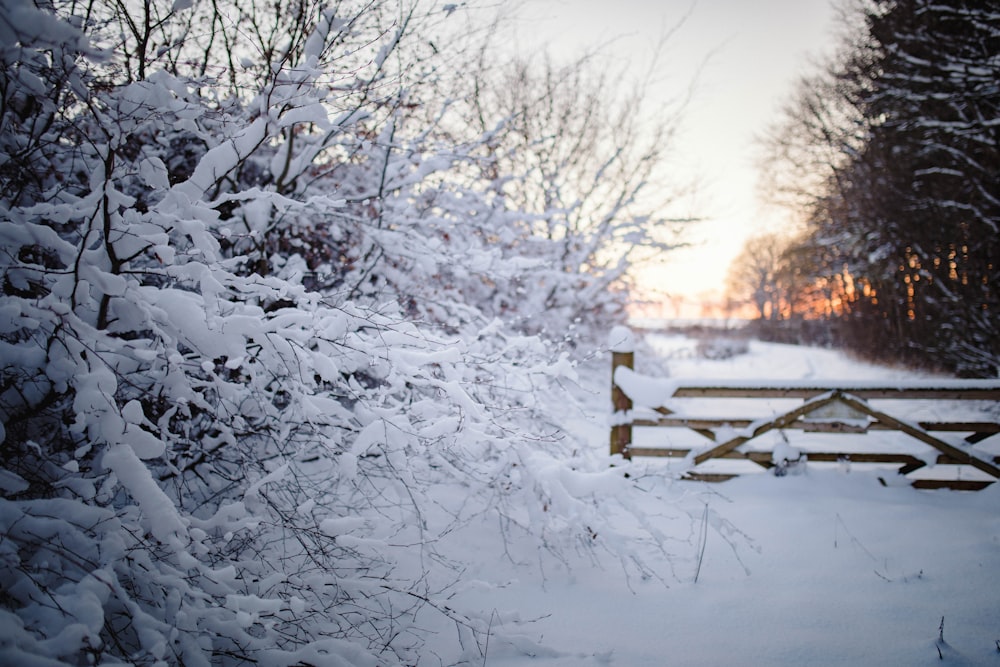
(828, 567)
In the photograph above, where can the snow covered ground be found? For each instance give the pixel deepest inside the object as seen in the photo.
(828, 567)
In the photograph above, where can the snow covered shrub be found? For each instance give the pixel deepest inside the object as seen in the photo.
(254, 362)
(192, 442)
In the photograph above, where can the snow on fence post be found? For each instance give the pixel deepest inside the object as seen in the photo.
(622, 346)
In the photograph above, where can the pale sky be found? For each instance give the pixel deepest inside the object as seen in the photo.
(756, 49)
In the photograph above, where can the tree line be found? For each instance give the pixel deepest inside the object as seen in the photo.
(890, 154)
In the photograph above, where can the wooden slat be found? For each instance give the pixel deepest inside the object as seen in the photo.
(954, 484)
(985, 428)
(974, 427)
(659, 452)
(693, 423)
(862, 457)
(968, 393)
(669, 453)
(742, 422)
(810, 426)
(764, 457)
(708, 476)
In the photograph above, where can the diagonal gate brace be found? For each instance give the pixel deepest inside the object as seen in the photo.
(922, 435)
(779, 422)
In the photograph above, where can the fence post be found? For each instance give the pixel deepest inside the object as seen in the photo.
(622, 354)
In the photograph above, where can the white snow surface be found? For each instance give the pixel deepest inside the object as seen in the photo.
(824, 567)
(621, 339)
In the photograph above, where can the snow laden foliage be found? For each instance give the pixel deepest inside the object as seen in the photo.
(253, 366)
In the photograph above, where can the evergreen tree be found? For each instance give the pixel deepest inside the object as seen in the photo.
(933, 98)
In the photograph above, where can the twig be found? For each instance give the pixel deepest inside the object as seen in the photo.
(838, 520)
(489, 630)
(704, 541)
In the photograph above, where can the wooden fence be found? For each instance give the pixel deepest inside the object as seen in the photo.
(843, 408)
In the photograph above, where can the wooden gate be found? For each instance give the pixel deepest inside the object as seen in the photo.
(844, 408)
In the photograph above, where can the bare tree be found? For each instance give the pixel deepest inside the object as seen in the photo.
(580, 147)
(754, 276)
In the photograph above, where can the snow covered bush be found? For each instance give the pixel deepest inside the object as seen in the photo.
(254, 365)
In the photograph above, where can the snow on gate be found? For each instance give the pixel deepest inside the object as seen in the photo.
(710, 435)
